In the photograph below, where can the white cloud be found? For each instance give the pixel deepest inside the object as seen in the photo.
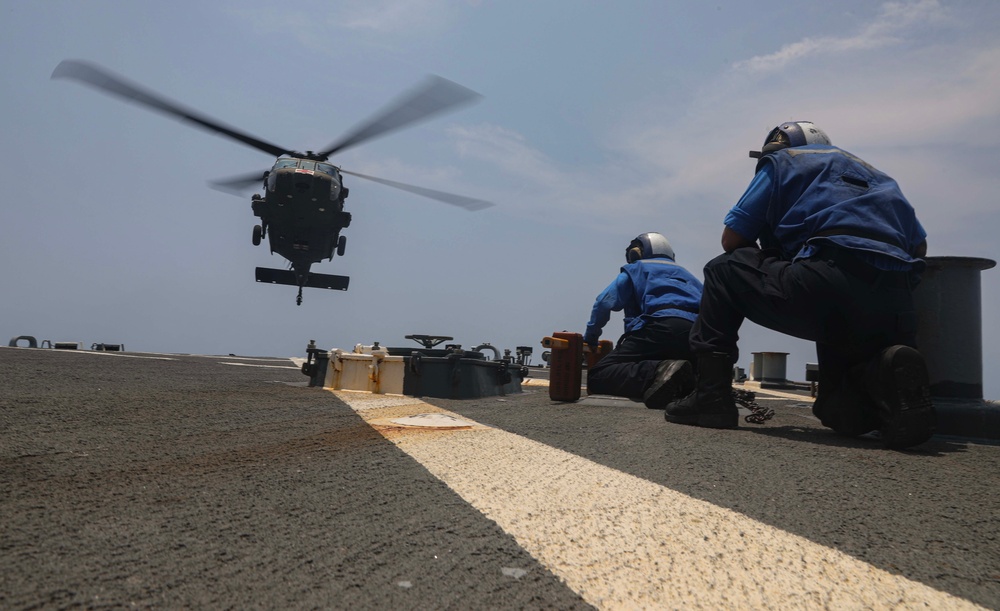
(532, 183)
(316, 25)
(687, 166)
(387, 16)
(888, 28)
(935, 93)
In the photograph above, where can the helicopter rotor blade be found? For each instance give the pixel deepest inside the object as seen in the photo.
(100, 78)
(461, 201)
(238, 184)
(433, 96)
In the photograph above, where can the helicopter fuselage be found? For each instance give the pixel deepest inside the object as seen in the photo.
(302, 211)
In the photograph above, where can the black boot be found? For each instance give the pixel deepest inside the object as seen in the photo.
(844, 406)
(711, 404)
(899, 383)
(671, 380)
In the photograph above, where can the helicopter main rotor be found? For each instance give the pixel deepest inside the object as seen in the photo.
(432, 97)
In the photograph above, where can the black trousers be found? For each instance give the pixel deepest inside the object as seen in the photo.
(850, 309)
(628, 369)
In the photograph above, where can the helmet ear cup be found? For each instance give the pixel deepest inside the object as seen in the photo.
(633, 254)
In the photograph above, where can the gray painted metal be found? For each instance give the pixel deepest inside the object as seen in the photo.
(949, 325)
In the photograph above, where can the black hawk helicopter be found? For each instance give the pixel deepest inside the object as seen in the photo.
(302, 207)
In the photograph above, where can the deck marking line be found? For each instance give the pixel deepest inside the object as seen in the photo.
(259, 366)
(779, 394)
(620, 541)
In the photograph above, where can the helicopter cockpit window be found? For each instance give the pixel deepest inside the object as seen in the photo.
(285, 163)
(307, 165)
(326, 168)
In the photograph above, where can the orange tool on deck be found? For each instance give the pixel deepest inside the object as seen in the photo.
(566, 363)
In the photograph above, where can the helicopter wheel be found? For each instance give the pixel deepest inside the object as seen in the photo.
(341, 245)
(258, 233)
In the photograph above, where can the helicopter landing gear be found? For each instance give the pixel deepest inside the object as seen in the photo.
(258, 233)
(341, 245)
(298, 300)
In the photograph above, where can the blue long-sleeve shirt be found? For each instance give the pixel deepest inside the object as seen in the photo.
(804, 196)
(646, 289)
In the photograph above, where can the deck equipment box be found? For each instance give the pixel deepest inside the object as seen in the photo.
(377, 372)
(460, 375)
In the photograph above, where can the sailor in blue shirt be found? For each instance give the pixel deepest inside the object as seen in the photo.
(660, 299)
(840, 249)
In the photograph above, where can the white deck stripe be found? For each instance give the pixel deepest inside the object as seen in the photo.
(620, 541)
(260, 366)
(778, 394)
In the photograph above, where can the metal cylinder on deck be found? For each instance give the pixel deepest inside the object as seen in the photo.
(756, 366)
(773, 367)
(949, 325)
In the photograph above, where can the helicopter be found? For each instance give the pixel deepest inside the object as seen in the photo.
(301, 210)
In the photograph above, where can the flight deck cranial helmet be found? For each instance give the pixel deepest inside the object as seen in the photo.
(648, 246)
(792, 133)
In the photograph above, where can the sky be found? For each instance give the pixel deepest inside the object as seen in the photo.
(599, 121)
